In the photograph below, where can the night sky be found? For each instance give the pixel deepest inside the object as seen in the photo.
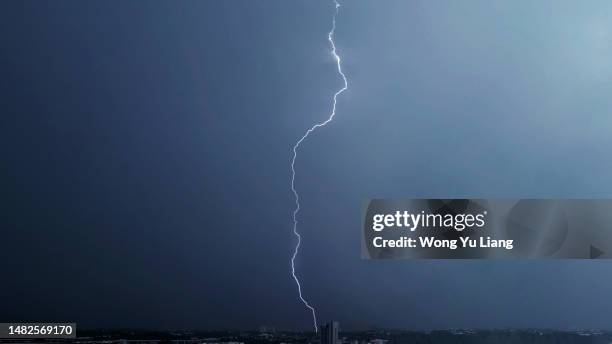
(146, 146)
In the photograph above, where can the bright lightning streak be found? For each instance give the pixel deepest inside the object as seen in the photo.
(330, 38)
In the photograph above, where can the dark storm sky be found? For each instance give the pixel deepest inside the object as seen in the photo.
(146, 147)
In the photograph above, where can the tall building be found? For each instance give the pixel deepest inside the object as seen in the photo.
(329, 333)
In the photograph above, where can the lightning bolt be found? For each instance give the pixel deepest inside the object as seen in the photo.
(330, 38)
